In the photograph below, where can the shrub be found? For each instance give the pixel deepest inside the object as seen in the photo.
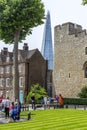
(75, 101)
(83, 93)
(38, 91)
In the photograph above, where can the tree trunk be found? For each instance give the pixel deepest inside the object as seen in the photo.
(15, 67)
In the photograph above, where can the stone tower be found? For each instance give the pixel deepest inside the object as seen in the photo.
(47, 51)
(70, 59)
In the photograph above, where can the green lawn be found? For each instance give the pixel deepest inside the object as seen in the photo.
(57, 119)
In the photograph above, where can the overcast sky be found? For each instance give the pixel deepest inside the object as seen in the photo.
(61, 11)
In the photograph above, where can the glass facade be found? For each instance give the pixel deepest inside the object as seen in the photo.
(47, 47)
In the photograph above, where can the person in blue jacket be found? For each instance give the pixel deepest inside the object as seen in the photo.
(14, 113)
(18, 107)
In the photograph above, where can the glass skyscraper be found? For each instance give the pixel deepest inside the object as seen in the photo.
(47, 47)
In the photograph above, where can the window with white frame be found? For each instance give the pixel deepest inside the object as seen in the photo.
(1, 82)
(1, 70)
(7, 82)
(7, 59)
(19, 57)
(1, 93)
(20, 68)
(21, 81)
(12, 69)
(7, 69)
(7, 93)
(12, 58)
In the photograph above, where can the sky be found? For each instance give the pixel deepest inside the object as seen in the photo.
(61, 11)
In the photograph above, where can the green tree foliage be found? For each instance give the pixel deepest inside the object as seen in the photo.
(84, 2)
(38, 91)
(17, 18)
(83, 93)
(19, 15)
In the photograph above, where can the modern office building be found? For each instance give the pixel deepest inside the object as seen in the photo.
(47, 51)
(47, 47)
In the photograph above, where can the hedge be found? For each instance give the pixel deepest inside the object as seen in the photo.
(75, 101)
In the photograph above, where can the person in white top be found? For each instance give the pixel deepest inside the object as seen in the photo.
(7, 106)
(45, 102)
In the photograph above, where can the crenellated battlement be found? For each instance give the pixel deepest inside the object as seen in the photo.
(70, 29)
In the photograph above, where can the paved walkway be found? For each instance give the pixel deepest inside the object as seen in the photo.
(3, 120)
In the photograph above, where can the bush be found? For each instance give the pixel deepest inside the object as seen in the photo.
(75, 101)
(38, 91)
(83, 93)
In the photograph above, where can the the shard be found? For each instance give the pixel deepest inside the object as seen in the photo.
(47, 52)
(47, 47)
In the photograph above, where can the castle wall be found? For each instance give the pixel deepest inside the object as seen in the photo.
(70, 41)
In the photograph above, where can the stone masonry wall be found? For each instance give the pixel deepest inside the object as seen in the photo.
(70, 41)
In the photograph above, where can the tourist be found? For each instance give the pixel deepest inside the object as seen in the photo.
(33, 101)
(14, 113)
(56, 99)
(61, 102)
(18, 107)
(7, 106)
(1, 98)
(45, 102)
(11, 106)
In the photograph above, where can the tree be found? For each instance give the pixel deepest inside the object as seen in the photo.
(84, 2)
(17, 18)
(83, 93)
(38, 91)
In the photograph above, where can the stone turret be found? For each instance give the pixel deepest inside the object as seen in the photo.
(70, 59)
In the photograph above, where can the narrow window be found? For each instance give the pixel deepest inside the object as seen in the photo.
(1, 93)
(69, 75)
(7, 69)
(21, 81)
(86, 50)
(20, 67)
(1, 82)
(86, 72)
(7, 82)
(7, 59)
(7, 93)
(18, 57)
(1, 70)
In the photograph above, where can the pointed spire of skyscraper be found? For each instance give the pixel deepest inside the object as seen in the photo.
(47, 47)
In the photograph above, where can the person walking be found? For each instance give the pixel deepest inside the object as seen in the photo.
(33, 101)
(45, 102)
(7, 106)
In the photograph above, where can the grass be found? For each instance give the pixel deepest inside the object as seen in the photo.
(57, 119)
